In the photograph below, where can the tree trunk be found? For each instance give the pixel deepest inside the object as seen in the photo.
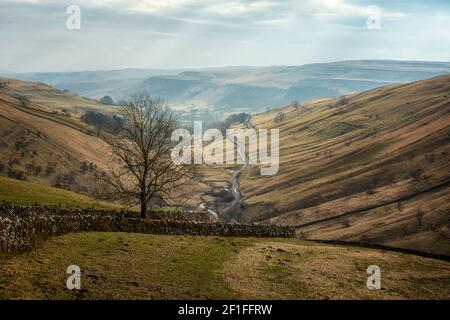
(143, 209)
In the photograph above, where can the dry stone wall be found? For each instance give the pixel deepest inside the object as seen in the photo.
(25, 228)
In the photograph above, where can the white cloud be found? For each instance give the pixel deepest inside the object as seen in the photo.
(21, 1)
(276, 22)
(332, 9)
(236, 8)
(157, 6)
(186, 33)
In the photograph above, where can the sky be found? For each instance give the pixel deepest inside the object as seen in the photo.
(172, 34)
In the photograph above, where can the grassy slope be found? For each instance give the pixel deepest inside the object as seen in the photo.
(67, 134)
(33, 137)
(37, 136)
(25, 193)
(137, 266)
(379, 158)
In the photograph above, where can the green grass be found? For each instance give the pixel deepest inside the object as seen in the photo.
(141, 266)
(27, 193)
(121, 266)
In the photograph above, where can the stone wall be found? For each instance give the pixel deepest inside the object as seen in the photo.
(182, 215)
(25, 228)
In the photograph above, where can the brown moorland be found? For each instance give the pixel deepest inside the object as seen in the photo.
(44, 141)
(368, 167)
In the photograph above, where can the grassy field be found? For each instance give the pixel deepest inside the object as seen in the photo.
(26, 193)
(138, 266)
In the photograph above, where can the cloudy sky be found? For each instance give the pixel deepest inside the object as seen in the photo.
(171, 34)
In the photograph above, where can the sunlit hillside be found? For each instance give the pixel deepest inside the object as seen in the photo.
(46, 146)
(369, 167)
(60, 100)
(18, 192)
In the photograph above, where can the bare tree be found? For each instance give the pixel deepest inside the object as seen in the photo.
(3, 84)
(145, 173)
(419, 216)
(346, 223)
(280, 117)
(24, 101)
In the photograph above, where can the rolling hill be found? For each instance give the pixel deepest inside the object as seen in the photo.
(92, 84)
(256, 88)
(44, 141)
(370, 167)
(50, 97)
(243, 88)
(43, 145)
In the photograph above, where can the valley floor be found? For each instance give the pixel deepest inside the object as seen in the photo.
(138, 266)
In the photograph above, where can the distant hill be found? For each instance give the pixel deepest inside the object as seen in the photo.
(232, 89)
(93, 84)
(368, 167)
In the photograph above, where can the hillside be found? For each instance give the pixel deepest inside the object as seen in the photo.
(27, 193)
(43, 94)
(368, 167)
(140, 266)
(52, 146)
(42, 145)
